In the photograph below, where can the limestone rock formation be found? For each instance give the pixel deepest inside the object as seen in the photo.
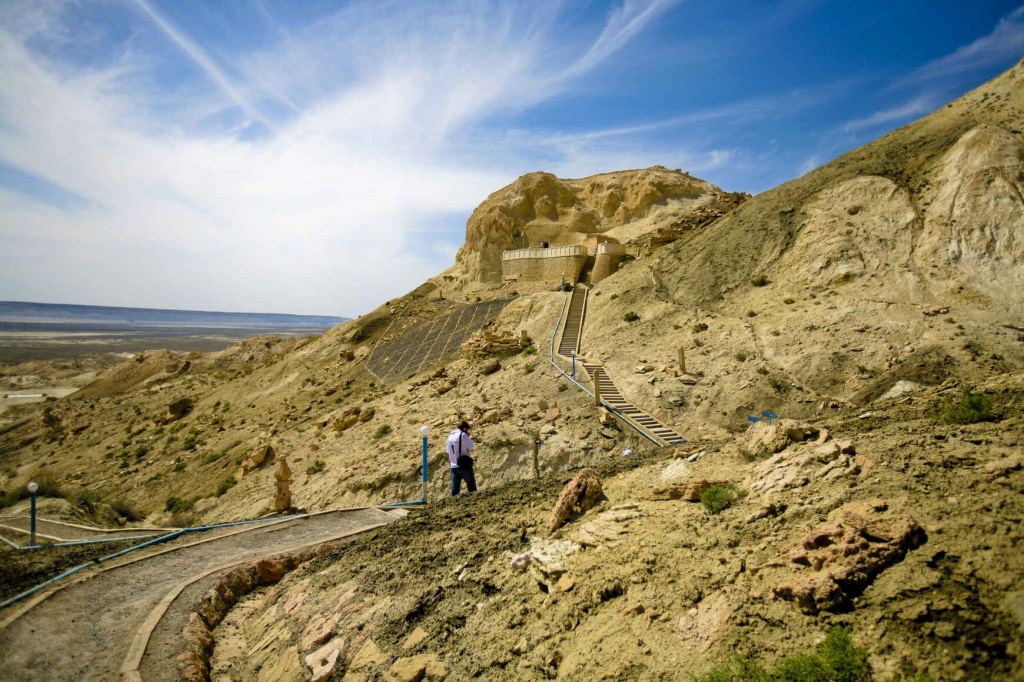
(844, 556)
(541, 207)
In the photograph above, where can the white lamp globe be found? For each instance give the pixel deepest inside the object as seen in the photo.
(33, 486)
(424, 430)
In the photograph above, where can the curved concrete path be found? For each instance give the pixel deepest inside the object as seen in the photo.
(60, 531)
(85, 630)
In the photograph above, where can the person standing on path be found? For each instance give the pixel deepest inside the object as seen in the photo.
(460, 445)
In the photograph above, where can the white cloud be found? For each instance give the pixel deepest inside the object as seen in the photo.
(904, 112)
(1005, 42)
(325, 214)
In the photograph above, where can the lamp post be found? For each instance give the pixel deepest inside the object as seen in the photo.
(573, 353)
(424, 432)
(32, 488)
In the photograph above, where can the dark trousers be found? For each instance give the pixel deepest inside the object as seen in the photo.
(459, 475)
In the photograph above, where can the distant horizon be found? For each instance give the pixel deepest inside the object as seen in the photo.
(175, 310)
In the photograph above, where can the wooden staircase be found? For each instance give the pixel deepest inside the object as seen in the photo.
(570, 341)
(610, 394)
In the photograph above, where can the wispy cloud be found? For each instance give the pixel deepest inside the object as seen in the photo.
(336, 208)
(902, 113)
(623, 25)
(1005, 42)
(203, 61)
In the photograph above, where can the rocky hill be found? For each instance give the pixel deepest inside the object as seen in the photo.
(875, 303)
(540, 207)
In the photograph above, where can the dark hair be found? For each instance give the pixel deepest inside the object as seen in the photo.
(464, 426)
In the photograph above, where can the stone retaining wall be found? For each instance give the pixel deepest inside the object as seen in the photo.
(543, 265)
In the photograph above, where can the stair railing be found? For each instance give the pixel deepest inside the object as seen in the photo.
(637, 427)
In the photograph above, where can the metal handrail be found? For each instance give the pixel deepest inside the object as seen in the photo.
(639, 429)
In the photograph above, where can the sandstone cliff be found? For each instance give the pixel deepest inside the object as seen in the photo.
(541, 207)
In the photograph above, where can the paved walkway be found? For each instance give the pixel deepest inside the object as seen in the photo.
(83, 632)
(59, 531)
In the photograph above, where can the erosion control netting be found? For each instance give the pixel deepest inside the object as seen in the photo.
(430, 342)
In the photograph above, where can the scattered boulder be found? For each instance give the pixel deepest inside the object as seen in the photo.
(763, 440)
(579, 495)
(369, 656)
(270, 569)
(837, 560)
(522, 561)
(677, 469)
(1005, 465)
(257, 457)
(177, 410)
(900, 389)
(933, 310)
(416, 668)
(415, 638)
(322, 661)
(367, 414)
(489, 366)
(346, 422)
(317, 632)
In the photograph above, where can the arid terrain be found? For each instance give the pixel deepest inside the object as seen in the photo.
(875, 305)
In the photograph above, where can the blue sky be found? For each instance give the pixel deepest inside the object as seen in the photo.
(322, 157)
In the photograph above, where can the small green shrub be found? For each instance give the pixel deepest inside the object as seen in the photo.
(384, 430)
(630, 317)
(699, 327)
(837, 660)
(563, 387)
(226, 485)
(530, 350)
(213, 457)
(180, 466)
(529, 368)
(968, 408)
(698, 343)
(178, 505)
(718, 497)
(613, 297)
(776, 383)
(762, 370)
(789, 301)
(316, 467)
(751, 313)
(760, 281)
(742, 357)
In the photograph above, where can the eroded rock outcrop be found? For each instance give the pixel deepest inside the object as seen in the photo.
(580, 494)
(837, 560)
(542, 207)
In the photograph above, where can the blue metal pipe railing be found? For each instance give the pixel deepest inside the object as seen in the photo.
(163, 538)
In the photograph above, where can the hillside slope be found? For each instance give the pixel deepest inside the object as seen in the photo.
(861, 299)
